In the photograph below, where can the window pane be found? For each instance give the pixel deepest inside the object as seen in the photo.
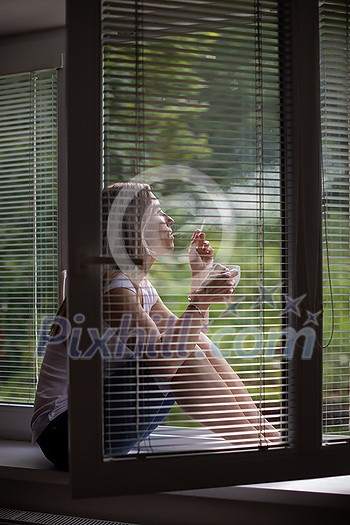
(28, 223)
(335, 69)
(193, 103)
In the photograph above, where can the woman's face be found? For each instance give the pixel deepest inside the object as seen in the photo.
(156, 229)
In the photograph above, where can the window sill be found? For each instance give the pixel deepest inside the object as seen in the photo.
(28, 482)
(22, 460)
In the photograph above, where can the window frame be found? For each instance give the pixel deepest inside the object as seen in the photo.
(23, 54)
(306, 457)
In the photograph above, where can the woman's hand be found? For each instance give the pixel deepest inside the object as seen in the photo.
(200, 257)
(217, 287)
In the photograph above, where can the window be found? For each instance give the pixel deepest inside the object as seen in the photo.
(172, 90)
(194, 111)
(335, 67)
(28, 222)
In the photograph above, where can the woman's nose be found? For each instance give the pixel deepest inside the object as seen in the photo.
(169, 220)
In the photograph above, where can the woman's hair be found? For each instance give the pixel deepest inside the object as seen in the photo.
(135, 197)
(133, 200)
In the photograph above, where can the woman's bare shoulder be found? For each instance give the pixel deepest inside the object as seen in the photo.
(120, 298)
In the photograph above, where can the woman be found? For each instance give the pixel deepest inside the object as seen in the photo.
(162, 358)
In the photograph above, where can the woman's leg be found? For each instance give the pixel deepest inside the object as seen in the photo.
(244, 400)
(205, 397)
(239, 390)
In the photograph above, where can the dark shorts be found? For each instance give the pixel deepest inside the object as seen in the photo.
(130, 415)
(53, 441)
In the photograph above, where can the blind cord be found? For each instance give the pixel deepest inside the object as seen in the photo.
(139, 164)
(259, 121)
(325, 222)
(328, 266)
(33, 156)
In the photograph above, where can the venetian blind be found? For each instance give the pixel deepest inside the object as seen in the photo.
(191, 100)
(335, 98)
(28, 224)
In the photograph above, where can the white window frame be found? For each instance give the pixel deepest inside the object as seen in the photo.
(23, 54)
(306, 457)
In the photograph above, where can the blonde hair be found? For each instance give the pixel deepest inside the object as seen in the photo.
(135, 198)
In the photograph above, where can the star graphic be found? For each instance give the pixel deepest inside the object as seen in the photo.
(266, 296)
(232, 307)
(292, 305)
(312, 317)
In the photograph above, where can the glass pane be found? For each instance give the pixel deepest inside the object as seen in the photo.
(335, 68)
(28, 224)
(193, 106)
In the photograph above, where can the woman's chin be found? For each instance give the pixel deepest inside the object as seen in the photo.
(160, 250)
(171, 247)
(166, 250)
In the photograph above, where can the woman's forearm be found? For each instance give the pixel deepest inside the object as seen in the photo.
(178, 341)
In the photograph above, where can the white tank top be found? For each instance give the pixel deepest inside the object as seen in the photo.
(51, 398)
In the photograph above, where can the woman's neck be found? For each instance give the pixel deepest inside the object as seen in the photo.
(148, 262)
(140, 272)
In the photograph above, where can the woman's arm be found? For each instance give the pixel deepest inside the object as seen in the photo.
(224, 370)
(202, 389)
(200, 259)
(161, 347)
(165, 345)
(195, 384)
